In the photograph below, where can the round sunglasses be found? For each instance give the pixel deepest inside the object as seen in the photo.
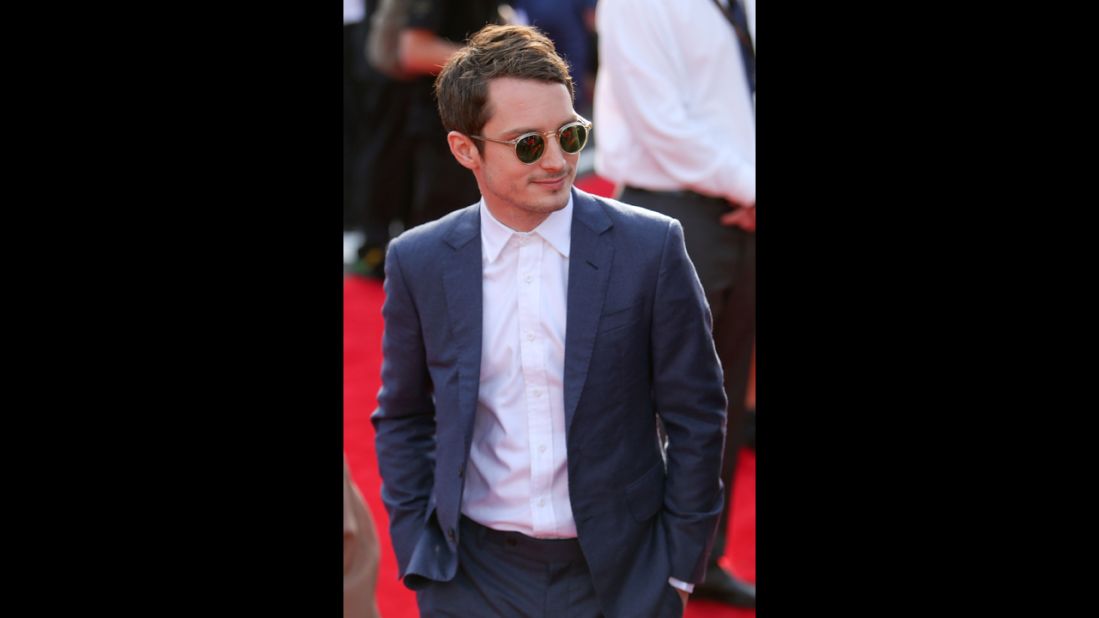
(529, 147)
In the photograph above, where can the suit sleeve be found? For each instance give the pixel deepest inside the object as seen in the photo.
(690, 399)
(404, 422)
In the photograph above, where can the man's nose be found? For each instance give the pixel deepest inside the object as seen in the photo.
(554, 157)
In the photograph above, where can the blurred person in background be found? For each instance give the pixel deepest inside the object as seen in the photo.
(355, 70)
(403, 174)
(675, 106)
(377, 157)
(360, 553)
(570, 24)
(434, 31)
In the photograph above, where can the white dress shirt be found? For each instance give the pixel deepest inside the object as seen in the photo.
(517, 474)
(672, 104)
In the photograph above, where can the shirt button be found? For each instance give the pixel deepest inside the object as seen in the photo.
(537, 393)
(542, 449)
(541, 502)
(528, 279)
(530, 336)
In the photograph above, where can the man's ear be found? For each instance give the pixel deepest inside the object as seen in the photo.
(464, 150)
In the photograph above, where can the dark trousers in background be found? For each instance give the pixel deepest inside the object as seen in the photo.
(725, 258)
(507, 574)
(386, 166)
(377, 154)
(355, 119)
(440, 184)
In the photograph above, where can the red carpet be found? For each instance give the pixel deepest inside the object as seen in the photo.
(362, 364)
(596, 184)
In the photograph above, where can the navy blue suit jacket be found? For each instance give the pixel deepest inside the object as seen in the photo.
(638, 346)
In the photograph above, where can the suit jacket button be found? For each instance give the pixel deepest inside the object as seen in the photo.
(450, 535)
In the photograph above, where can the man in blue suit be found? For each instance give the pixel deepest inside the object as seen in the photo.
(551, 418)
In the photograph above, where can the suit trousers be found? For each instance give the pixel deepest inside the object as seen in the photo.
(508, 574)
(725, 258)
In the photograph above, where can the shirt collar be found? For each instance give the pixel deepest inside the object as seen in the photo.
(556, 230)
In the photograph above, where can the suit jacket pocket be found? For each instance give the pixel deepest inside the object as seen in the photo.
(620, 318)
(645, 496)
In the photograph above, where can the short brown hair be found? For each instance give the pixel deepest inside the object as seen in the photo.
(522, 52)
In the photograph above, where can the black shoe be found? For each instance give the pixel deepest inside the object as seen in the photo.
(722, 587)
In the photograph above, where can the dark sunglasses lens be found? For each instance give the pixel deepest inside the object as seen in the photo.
(573, 138)
(530, 148)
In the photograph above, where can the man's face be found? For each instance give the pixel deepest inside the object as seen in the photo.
(522, 196)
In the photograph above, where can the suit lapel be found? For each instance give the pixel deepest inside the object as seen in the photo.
(462, 281)
(590, 256)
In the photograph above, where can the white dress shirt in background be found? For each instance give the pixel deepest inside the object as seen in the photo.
(675, 112)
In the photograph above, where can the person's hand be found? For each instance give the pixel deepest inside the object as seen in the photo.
(683, 597)
(743, 217)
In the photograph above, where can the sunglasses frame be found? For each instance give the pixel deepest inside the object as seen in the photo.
(514, 143)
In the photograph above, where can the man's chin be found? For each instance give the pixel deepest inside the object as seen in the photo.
(552, 202)
(558, 203)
